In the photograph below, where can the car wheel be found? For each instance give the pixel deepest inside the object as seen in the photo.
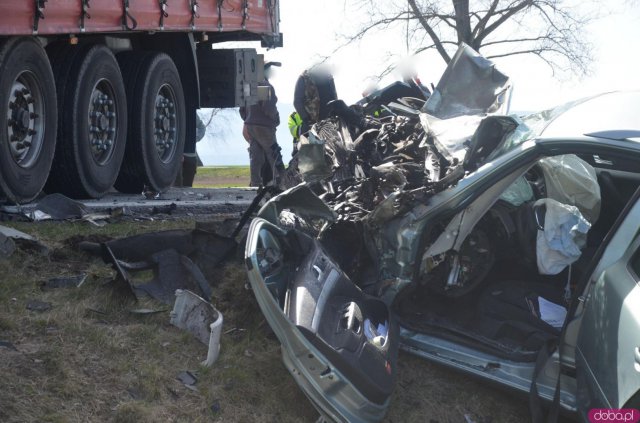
(93, 123)
(157, 122)
(29, 118)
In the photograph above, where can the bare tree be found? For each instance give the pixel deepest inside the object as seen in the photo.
(212, 114)
(552, 30)
(216, 122)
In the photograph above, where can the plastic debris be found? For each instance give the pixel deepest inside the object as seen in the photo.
(64, 282)
(187, 378)
(200, 318)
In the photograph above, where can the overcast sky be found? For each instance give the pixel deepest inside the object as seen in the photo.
(312, 30)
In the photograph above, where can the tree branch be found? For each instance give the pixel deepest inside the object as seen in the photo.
(482, 23)
(549, 29)
(430, 31)
(502, 19)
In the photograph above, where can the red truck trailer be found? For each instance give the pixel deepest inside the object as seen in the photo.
(96, 94)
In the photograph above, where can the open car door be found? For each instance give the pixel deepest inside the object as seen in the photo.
(608, 347)
(339, 344)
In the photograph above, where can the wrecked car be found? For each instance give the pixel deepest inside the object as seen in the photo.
(504, 247)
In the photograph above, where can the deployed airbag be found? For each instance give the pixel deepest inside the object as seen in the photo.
(570, 180)
(559, 244)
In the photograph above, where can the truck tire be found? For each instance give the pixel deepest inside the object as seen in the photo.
(156, 122)
(93, 121)
(28, 116)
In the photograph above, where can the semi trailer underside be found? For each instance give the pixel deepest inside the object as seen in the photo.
(96, 94)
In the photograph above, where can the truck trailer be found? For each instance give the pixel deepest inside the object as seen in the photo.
(102, 94)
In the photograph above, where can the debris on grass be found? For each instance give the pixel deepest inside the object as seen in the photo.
(187, 378)
(61, 208)
(146, 311)
(24, 240)
(58, 207)
(122, 285)
(200, 318)
(64, 282)
(37, 305)
(7, 246)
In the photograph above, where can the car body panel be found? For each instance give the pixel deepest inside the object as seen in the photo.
(329, 389)
(402, 235)
(607, 356)
(512, 374)
(399, 234)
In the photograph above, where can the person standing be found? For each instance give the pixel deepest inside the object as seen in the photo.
(314, 89)
(260, 123)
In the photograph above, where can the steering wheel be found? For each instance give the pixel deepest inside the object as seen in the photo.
(535, 177)
(461, 272)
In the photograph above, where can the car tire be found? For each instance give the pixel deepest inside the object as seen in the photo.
(156, 139)
(28, 116)
(93, 121)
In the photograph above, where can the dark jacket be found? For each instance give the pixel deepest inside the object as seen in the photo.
(264, 113)
(326, 91)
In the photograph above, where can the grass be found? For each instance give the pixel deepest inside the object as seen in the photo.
(74, 364)
(222, 177)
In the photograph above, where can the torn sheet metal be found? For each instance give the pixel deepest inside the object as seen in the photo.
(470, 85)
(177, 258)
(356, 165)
(141, 247)
(200, 318)
(299, 199)
(172, 271)
(204, 247)
(59, 207)
(312, 163)
(377, 163)
(122, 285)
(20, 238)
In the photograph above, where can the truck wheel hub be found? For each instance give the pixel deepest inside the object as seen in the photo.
(25, 125)
(165, 123)
(102, 121)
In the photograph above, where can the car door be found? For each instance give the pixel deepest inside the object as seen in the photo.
(608, 344)
(339, 344)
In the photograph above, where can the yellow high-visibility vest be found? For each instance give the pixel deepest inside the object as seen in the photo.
(295, 124)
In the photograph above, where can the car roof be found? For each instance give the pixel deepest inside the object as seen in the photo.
(614, 115)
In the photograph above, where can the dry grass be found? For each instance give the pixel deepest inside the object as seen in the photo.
(222, 177)
(78, 365)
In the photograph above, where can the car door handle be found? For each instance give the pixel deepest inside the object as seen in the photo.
(637, 354)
